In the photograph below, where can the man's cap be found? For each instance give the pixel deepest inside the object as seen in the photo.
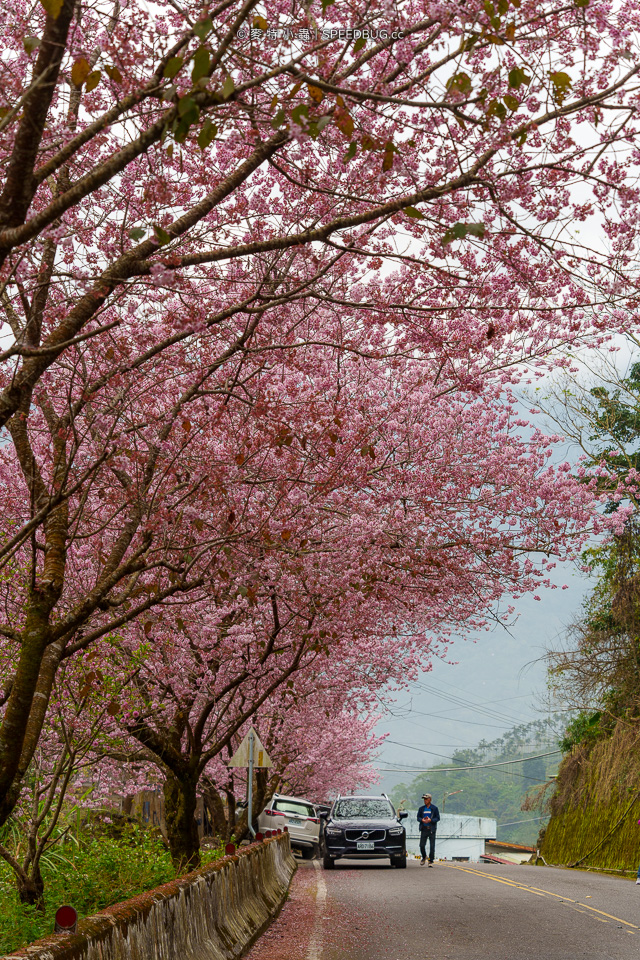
(425, 795)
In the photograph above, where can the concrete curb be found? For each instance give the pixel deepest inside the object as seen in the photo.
(214, 913)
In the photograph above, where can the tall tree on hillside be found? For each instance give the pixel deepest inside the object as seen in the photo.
(598, 668)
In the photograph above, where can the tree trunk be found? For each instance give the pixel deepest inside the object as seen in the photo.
(215, 808)
(182, 829)
(31, 889)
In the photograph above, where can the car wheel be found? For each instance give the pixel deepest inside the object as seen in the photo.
(400, 862)
(307, 853)
(328, 863)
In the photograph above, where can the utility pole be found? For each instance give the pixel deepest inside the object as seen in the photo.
(451, 794)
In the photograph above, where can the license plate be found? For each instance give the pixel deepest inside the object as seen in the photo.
(295, 823)
(368, 845)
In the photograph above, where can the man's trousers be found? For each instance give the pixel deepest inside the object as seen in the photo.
(430, 835)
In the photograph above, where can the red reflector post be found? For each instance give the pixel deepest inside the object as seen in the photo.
(66, 920)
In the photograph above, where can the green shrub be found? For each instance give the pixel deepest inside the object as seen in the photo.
(584, 728)
(90, 873)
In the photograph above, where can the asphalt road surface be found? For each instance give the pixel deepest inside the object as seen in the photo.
(463, 911)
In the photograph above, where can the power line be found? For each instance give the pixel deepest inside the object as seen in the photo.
(467, 703)
(511, 823)
(473, 766)
(419, 771)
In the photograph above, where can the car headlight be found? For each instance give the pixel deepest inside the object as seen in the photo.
(333, 832)
(395, 831)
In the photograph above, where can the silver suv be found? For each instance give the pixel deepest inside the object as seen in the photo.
(300, 818)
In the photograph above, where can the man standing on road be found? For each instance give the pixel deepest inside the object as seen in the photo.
(428, 817)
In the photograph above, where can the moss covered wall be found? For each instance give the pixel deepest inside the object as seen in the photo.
(214, 913)
(596, 805)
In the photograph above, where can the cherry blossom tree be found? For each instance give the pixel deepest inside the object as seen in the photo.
(237, 266)
(368, 534)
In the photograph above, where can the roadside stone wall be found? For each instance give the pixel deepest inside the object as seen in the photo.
(214, 913)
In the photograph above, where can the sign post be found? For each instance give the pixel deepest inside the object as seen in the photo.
(250, 784)
(250, 754)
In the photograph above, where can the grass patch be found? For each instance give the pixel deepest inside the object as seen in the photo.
(90, 874)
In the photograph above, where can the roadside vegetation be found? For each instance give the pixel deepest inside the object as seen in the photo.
(89, 872)
(596, 670)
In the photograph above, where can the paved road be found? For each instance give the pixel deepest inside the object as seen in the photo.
(368, 911)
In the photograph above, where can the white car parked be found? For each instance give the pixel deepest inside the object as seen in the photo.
(300, 818)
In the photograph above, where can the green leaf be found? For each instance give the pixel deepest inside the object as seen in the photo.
(228, 87)
(503, 7)
(93, 80)
(460, 82)
(497, 109)
(180, 130)
(173, 68)
(322, 122)
(389, 151)
(260, 23)
(302, 110)
(207, 134)
(326, 3)
(412, 212)
(188, 109)
(512, 102)
(200, 64)
(562, 84)
(581, 3)
(30, 44)
(137, 233)
(203, 28)
(359, 44)
(161, 235)
(279, 119)
(461, 230)
(517, 76)
(52, 7)
(351, 152)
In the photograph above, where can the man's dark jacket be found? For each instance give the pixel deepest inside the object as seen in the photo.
(435, 816)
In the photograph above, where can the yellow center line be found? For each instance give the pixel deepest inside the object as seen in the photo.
(549, 893)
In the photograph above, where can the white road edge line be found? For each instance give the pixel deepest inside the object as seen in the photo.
(315, 944)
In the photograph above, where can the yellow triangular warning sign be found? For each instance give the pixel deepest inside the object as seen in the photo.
(260, 756)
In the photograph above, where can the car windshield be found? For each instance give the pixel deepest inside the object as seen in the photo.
(359, 808)
(295, 806)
